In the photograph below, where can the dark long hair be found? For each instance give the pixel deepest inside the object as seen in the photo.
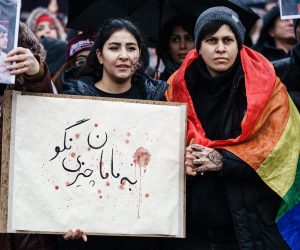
(93, 67)
(186, 22)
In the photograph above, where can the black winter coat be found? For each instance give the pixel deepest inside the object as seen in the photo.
(253, 205)
(151, 89)
(288, 70)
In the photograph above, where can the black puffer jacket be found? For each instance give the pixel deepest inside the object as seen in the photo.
(151, 89)
(288, 70)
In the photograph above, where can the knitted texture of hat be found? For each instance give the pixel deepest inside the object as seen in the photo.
(220, 13)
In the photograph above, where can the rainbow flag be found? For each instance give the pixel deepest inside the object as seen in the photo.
(270, 138)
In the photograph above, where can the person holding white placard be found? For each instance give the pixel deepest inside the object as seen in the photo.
(114, 70)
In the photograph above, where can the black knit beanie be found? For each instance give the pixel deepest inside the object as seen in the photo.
(220, 13)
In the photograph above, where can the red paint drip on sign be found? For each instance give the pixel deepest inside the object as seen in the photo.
(73, 154)
(56, 187)
(141, 157)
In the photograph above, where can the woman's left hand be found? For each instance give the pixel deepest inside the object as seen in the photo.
(75, 235)
(26, 63)
(208, 159)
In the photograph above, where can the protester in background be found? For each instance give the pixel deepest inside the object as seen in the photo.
(277, 36)
(288, 69)
(114, 64)
(236, 105)
(175, 42)
(32, 75)
(77, 52)
(51, 33)
(44, 24)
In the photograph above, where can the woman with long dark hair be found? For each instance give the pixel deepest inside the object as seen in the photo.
(114, 69)
(114, 64)
(175, 41)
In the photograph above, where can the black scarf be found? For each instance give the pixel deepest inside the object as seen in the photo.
(215, 98)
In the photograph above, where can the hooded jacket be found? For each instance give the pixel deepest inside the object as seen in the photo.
(34, 16)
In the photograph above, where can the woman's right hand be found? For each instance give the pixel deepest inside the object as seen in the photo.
(75, 235)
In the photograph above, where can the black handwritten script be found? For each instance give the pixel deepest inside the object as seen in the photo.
(80, 170)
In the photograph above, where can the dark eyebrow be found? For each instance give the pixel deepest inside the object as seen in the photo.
(131, 44)
(115, 43)
(228, 36)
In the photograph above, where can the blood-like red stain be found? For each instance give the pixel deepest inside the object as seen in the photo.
(147, 195)
(56, 187)
(100, 196)
(107, 183)
(101, 163)
(106, 175)
(77, 136)
(99, 191)
(141, 157)
(126, 141)
(121, 187)
(96, 125)
(73, 154)
(89, 149)
(128, 134)
(123, 182)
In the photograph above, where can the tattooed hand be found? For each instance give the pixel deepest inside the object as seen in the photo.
(206, 159)
(189, 158)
